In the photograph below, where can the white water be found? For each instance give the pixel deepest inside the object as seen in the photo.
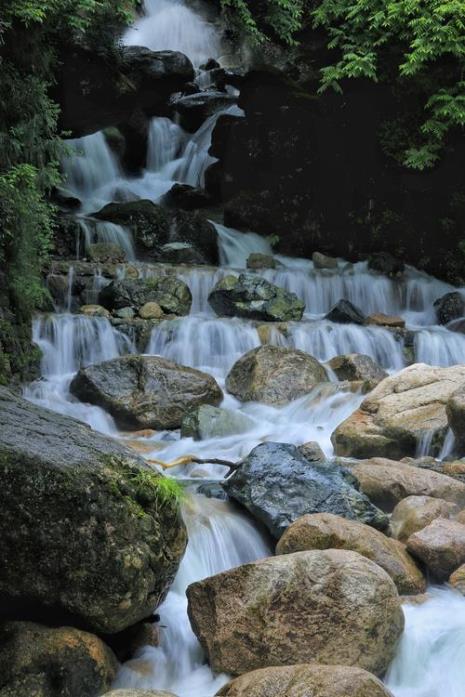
(102, 231)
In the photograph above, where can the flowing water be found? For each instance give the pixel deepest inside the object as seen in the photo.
(431, 657)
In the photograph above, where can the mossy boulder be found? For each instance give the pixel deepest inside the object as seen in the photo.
(171, 294)
(89, 534)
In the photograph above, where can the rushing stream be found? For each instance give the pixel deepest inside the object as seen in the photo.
(431, 657)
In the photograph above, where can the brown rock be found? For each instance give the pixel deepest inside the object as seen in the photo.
(457, 579)
(306, 680)
(357, 367)
(330, 606)
(327, 531)
(139, 693)
(381, 320)
(440, 546)
(94, 311)
(416, 512)
(460, 517)
(150, 310)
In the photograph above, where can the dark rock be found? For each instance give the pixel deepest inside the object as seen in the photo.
(344, 312)
(254, 297)
(277, 485)
(173, 295)
(194, 109)
(260, 261)
(187, 197)
(207, 421)
(387, 264)
(449, 307)
(357, 367)
(145, 391)
(213, 490)
(211, 64)
(106, 253)
(93, 542)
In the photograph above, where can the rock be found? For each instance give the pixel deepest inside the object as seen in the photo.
(344, 312)
(145, 391)
(330, 606)
(416, 512)
(206, 422)
(385, 263)
(278, 485)
(327, 531)
(253, 297)
(274, 375)
(322, 261)
(312, 452)
(150, 310)
(180, 253)
(401, 410)
(455, 411)
(357, 367)
(449, 307)
(194, 109)
(457, 579)
(94, 311)
(127, 313)
(38, 661)
(171, 294)
(187, 197)
(140, 693)
(440, 546)
(256, 260)
(268, 331)
(306, 680)
(93, 539)
(105, 253)
(387, 482)
(381, 320)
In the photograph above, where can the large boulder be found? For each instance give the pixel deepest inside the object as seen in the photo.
(171, 294)
(155, 226)
(440, 546)
(253, 297)
(38, 661)
(416, 512)
(305, 680)
(400, 412)
(331, 606)
(278, 485)
(356, 367)
(145, 391)
(456, 417)
(387, 482)
(86, 530)
(327, 531)
(274, 375)
(449, 307)
(206, 422)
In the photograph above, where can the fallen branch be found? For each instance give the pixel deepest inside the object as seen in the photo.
(192, 459)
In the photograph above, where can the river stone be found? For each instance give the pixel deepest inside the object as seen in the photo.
(145, 391)
(440, 546)
(150, 310)
(379, 319)
(327, 531)
(306, 680)
(171, 294)
(253, 297)
(92, 539)
(399, 413)
(106, 253)
(331, 606)
(344, 312)
(311, 451)
(278, 485)
(138, 693)
(387, 482)
(322, 261)
(416, 512)
(455, 410)
(457, 579)
(38, 661)
(206, 422)
(449, 307)
(274, 375)
(256, 260)
(386, 263)
(94, 311)
(357, 367)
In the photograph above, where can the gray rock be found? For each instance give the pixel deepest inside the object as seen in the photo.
(254, 297)
(312, 452)
(172, 294)
(357, 367)
(93, 541)
(277, 485)
(145, 391)
(344, 312)
(449, 307)
(211, 422)
(260, 261)
(322, 261)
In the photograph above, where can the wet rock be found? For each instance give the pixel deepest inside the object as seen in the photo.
(94, 311)
(381, 320)
(274, 375)
(358, 367)
(145, 391)
(206, 422)
(387, 482)
(194, 109)
(440, 546)
(312, 452)
(125, 313)
(457, 579)
(106, 253)
(322, 261)
(92, 542)
(401, 410)
(38, 661)
(187, 197)
(253, 297)
(278, 485)
(330, 606)
(416, 512)
(180, 253)
(455, 410)
(171, 294)
(344, 312)
(213, 490)
(327, 531)
(449, 307)
(256, 260)
(387, 264)
(310, 680)
(150, 310)
(139, 693)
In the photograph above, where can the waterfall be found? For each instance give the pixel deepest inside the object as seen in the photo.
(235, 247)
(98, 231)
(165, 142)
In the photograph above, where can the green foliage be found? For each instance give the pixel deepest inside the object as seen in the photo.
(283, 18)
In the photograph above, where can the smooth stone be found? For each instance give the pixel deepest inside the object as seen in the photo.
(416, 512)
(344, 312)
(207, 421)
(357, 367)
(440, 546)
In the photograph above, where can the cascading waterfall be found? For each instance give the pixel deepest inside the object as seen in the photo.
(102, 231)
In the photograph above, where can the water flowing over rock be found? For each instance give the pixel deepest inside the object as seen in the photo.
(38, 661)
(449, 307)
(171, 294)
(440, 546)
(327, 531)
(91, 540)
(253, 297)
(345, 312)
(332, 606)
(357, 367)
(303, 680)
(139, 693)
(402, 410)
(210, 422)
(457, 579)
(416, 512)
(145, 391)
(274, 375)
(322, 261)
(456, 418)
(278, 485)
